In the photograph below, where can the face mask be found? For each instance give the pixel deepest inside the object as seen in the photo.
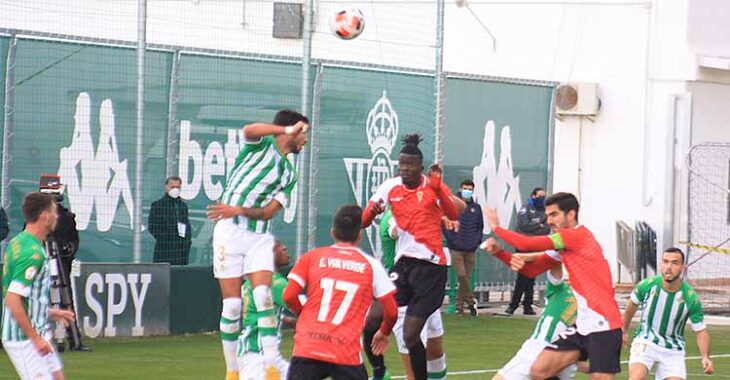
(467, 194)
(540, 202)
(174, 192)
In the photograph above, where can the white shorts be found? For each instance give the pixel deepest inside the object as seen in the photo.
(433, 328)
(238, 251)
(518, 368)
(669, 363)
(251, 366)
(29, 363)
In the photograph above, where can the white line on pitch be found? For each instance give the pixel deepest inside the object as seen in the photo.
(473, 372)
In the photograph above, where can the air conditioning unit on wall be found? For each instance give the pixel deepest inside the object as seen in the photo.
(577, 99)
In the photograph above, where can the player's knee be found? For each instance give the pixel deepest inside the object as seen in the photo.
(373, 321)
(262, 297)
(231, 308)
(371, 325)
(539, 372)
(412, 338)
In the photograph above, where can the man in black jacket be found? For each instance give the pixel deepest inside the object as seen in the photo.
(531, 221)
(463, 242)
(169, 224)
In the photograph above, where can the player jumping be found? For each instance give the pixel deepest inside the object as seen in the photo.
(418, 203)
(258, 186)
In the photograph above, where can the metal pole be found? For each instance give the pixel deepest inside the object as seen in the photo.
(139, 160)
(173, 140)
(440, 81)
(306, 95)
(8, 127)
(313, 161)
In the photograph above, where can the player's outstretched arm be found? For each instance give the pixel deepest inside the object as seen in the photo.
(291, 297)
(255, 131)
(528, 264)
(520, 242)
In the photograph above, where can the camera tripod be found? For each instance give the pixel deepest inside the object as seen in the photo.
(61, 297)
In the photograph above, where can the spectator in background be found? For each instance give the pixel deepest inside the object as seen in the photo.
(168, 223)
(463, 240)
(531, 221)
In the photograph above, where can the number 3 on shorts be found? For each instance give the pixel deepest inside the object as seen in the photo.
(638, 348)
(328, 285)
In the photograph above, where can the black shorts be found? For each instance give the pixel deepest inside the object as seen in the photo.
(310, 369)
(421, 285)
(602, 349)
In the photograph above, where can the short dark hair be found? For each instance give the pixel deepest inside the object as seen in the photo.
(565, 202)
(173, 178)
(347, 223)
(410, 145)
(467, 182)
(287, 117)
(34, 204)
(675, 250)
(535, 190)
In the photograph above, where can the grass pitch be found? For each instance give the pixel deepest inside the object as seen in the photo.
(478, 346)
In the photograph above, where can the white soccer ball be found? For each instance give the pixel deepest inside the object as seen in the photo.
(347, 23)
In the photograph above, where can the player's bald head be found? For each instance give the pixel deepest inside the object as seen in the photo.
(347, 224)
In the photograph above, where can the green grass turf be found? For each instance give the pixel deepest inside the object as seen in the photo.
(471, 344)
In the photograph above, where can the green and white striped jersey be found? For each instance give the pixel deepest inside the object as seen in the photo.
(26, 272)
(560, 312)
(248, 340)
(261, 173)
(665, 314)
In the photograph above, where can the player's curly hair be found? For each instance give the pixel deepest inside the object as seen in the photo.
(410, 145)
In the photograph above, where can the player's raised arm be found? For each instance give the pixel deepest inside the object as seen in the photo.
(446, 201)
(253, 132)
(378, 202)
(520, 242)
(372, 210)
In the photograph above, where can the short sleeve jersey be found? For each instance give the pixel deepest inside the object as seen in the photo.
(665, 314)
(340, 284)
(26, 273)
(418, 216)
(261, 174)
(590, 279)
